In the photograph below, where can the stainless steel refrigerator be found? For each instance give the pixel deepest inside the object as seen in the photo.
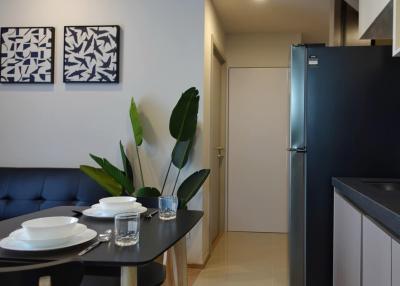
(344, 121)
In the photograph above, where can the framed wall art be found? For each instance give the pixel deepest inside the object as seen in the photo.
(27, 55)
(91, 54)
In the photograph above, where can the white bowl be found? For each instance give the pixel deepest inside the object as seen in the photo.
(22, 235)
(117, 203)
(49, 227)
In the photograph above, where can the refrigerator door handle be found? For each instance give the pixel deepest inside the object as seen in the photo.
(298, 150)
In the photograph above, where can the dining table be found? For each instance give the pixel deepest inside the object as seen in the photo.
(156, 237)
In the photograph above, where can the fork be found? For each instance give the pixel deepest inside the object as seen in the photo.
(150, 215)
(103, 237)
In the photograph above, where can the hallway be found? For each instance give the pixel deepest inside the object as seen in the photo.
(243, 258)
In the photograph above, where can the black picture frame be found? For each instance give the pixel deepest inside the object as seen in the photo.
(3, 79)
(88, 67)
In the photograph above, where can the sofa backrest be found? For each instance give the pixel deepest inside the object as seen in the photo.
(25, 190)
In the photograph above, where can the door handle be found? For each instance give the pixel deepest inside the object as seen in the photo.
(220, 151)
(298, 150)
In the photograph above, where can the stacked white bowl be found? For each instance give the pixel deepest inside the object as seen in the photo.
(118, 203)
(115, 205)
(48, 231)
(111, 206)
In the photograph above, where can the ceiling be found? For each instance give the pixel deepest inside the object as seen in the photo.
(310, 17)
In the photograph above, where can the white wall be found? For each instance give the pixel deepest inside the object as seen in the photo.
(260, 49)
(162, 54)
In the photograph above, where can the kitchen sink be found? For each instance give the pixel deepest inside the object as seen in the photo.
(386, 186)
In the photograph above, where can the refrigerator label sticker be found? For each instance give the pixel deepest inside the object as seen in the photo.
(312, 61)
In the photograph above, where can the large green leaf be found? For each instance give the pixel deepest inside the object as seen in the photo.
(98, 160)
(136, 125)
(118, 175)
(189, 188)
(125, 161)
(103, 179)
(181, 152)
(147, 192)
(183, 121)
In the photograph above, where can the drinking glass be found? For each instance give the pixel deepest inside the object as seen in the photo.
(167, 206)
(127, 226)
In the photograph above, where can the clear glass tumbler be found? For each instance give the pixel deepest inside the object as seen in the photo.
(127, 228)
(167, 206)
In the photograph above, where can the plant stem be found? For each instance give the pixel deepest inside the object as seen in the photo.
(166, 177)
(140, 165)
(176, 181)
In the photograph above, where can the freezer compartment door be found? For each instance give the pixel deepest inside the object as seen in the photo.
(297, 97)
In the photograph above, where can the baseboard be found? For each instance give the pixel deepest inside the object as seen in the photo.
(200, 266)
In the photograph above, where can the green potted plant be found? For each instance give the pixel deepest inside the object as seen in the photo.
(182, 127)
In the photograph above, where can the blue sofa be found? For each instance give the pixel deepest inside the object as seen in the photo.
(26, 190)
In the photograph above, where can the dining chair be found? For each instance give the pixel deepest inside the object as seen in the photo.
(57, 273)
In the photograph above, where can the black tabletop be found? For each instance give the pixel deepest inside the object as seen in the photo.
(156, 236)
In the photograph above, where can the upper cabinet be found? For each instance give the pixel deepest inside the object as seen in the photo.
(380, 19)
(353, 3)
(375, 19)
(396, 28)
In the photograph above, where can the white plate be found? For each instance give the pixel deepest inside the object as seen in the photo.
(119, 209)
(12, 244)
(97, 211)
(23, 236)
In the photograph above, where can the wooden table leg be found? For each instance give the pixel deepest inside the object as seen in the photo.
(45, 281)
(129, 276)
(179, 263)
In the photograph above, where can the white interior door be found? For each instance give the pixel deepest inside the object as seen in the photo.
(257, 156)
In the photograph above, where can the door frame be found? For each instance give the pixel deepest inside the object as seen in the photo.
(216, 52)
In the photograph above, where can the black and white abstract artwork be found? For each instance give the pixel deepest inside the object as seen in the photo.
(26, 55)
(91, 54)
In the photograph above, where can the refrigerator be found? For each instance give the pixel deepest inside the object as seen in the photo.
(344, 122)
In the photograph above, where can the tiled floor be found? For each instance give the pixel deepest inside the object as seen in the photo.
(249, 259)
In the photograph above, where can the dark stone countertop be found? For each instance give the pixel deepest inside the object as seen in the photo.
(381, 205)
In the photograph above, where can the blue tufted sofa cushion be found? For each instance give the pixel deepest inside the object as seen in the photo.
(25, 190)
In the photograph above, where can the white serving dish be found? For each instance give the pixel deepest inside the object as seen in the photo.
(22, 235)
(50, 227)
(117, 203)
(98, 212)
(16, 245)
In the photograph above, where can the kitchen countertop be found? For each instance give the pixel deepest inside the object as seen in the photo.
(382, 206)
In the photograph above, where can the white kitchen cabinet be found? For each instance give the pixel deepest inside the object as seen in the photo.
(396, 28)
(395, 263)
(373, 19)
(376, 256)
(347, 237)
